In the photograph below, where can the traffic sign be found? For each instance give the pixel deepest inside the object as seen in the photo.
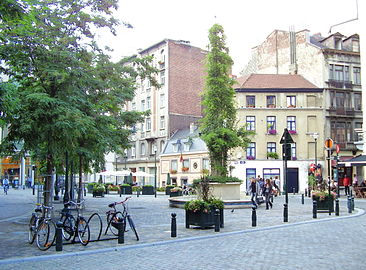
(286, 137)
(329, 143)
(337, 148)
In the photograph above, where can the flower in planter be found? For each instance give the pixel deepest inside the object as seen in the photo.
(272, 131)
(321, 195)
(272, 155)
(185, 169)
(250, 157)
(176, 189)
(292, 132)
(173, 171)
(294, 158)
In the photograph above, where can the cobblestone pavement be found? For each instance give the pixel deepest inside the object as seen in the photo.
(302, 243)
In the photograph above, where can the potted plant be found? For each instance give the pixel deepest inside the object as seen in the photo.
(272, 131)
(324, 199)
(292, 132)
(98, 190)
(250, 158)
(273, 155)
(125, 189)
(173, 171)
(168, 188)
(185, 169)
(201, 212)
(148, 190)
(90, 187)
(176, 191)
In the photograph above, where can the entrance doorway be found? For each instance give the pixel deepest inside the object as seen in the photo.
(292, 180)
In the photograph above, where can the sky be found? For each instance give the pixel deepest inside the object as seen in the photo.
(246, 23)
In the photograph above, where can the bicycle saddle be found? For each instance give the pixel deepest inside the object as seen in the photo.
(111, 204)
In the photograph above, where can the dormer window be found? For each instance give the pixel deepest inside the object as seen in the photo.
(176, 146)
(338, 43)
(187, 144)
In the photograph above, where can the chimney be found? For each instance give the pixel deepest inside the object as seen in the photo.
(192, 127)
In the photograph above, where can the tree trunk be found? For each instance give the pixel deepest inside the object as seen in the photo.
(47, 188)
(80, 190)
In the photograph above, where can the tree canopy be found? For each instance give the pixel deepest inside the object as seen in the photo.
(62, 92)
(219, 125)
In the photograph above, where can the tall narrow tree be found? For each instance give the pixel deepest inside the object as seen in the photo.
(219, 125)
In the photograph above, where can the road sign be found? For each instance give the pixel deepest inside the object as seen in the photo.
(286, 137)
(329, 143)
(337, 149)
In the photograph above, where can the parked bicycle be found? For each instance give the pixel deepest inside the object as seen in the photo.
(41, 227)
(118, 216)
(72, 227)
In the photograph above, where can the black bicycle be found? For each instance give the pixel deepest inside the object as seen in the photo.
(72, 227)
(118, 216)
(41, 228)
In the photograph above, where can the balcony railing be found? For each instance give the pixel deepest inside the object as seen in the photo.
(340, 84)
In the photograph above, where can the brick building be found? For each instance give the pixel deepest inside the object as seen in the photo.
(173, 106)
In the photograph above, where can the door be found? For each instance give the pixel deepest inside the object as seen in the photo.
(292, 180)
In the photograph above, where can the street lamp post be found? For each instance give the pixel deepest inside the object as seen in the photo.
(116, 170)
(125, 177)
(155, 169)
(316, 136)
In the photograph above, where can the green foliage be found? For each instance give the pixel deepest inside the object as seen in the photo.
(311, 181)
(148, 185)
(160, 189)
(272, 155)
(219, 125)
(136, 188)
(201, 205)
(99, 188)
(218, 179)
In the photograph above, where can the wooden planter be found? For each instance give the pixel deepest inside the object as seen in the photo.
(125, 189)
(147, 190)
(203, 219)
(175, 193)
(167, 190)
(323, 206)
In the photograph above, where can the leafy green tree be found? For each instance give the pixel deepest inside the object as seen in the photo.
(219, 125)
(68, 95)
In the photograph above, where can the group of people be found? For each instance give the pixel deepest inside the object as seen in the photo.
(267, 188)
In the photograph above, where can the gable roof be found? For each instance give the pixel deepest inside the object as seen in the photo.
(255, 81)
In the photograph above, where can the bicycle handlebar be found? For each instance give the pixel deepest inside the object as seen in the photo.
(121, 202)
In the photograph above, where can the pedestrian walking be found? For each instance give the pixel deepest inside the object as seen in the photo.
(5, 185)
(355, 180)
(260, 181)
(346, 183)
(253, 191)
(268, 193)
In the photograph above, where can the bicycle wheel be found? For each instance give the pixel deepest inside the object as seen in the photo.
(114, 218)
(132, 225)
(32, 229)
(83, 231)
(68, 226)
(45, 235)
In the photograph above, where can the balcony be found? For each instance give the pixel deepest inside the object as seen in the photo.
(340, 84)
(334, 111)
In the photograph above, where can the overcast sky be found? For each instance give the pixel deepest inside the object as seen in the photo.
(247, 23)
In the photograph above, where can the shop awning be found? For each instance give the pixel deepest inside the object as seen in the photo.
(356, 161)
(342, 160)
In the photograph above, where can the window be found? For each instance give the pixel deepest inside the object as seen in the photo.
(331, 72)
(162, 122)
(271, 173)
(148, 83)
(271, 101)
(340, 99)
(142, 127)
(251, 151)
(162, 100)
(133, 151)
(186, 163)
(341, 132)
(142, 105)
(133, 106)
(293, 151)
(357, 75)
(346, 73)
(311, 124)
(148, 124)
(206, 164)
(250, 101)
(148, 103)
(250, 173)
(291, 101)
(162, 144)
(162, 77)
(271, 147)
(174, 165)
(358, 102)
(250, 122)
(291, 123)
(143, 149)
(338, 70)
(271, 124)
(311, 101)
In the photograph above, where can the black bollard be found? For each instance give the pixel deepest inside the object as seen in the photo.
(254, 217)
(306, 192)
(121, 230)
(309, 193)
(352, 203)
(174, 225)
(59, 236)
(120, 191)
(138, 193)
(217, 220)
(302, 199)
(285, 212)
(33, 188)
(315, 208)
(349, 205)
(337, 207)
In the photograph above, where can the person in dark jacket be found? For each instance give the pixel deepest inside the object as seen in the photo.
(253, 191)
(268, 193)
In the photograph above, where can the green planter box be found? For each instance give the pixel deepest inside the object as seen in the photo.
(167, 190)
(98, 193)
(203, 219)
(147, 190)
(323, 206)
(175, 193)
(126, 189)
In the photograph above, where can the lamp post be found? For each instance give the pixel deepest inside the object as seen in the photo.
(316, 136)
(116, 170)
(155, 169)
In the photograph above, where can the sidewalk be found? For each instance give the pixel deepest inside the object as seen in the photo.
(152, 217)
